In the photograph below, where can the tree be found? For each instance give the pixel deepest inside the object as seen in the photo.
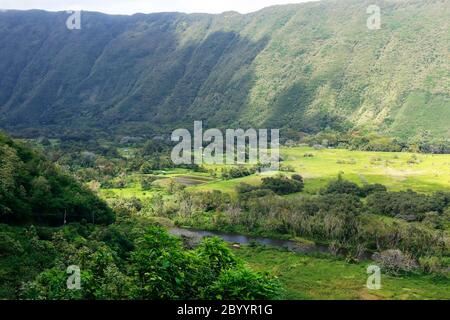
(283, 185)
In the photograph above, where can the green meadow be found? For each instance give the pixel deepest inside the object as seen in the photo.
(398, 171)
(325, 277)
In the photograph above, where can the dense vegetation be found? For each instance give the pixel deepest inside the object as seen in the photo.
(99, 190)
(133, 258)
(305, 67)
(422, 142)
(347, 217)
(130, 259)
(50, 222)
(34, 190)
(280, 185)
(350, 217)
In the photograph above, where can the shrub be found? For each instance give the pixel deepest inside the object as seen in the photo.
(395, 262)
(344, 187)
(243, 284)
(406, 204)
(237, 172)
(216, 254)
(434, 220)
(164, 270)
(246, 191)
(146, 182)
(430, 264)
(283, 185)
(211, 201)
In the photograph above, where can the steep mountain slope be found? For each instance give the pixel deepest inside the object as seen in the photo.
(308, 67)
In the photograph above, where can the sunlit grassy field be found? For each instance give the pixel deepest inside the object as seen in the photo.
(314, 277)
(398, 171)
(134, 189)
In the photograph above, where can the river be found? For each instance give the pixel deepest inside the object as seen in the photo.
(290, 245)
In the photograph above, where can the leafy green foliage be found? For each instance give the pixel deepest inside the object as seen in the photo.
(237, 172)
(341, 186)
(280, 185)
(408, 204)
(283, 185)
(243, 284)
(347, 216)
(146, 263)
(34, 190)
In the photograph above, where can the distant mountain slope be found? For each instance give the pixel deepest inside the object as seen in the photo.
(308, 67)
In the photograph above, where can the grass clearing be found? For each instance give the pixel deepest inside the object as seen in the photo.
(398, 171)
(306, 277)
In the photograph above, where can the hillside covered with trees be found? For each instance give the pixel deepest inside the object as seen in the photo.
(306, 67)
(33, 190)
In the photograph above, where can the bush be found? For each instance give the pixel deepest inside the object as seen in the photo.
(431, 264)
(434, 220)
(216, 254)
(146, 182)
(246, 192)
(343, 187)
(409, 205)
(395, 262)
(237, 172)
(211, 201)
(283, 185)
(164, 270)
(243, 284)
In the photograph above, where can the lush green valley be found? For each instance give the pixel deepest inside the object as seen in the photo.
(383, 208)
(93, 205)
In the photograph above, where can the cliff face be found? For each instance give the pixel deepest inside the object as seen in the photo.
(308, 67)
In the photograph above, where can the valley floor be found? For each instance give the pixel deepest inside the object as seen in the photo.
(397, 171)
(314, 277)
(323, 277)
